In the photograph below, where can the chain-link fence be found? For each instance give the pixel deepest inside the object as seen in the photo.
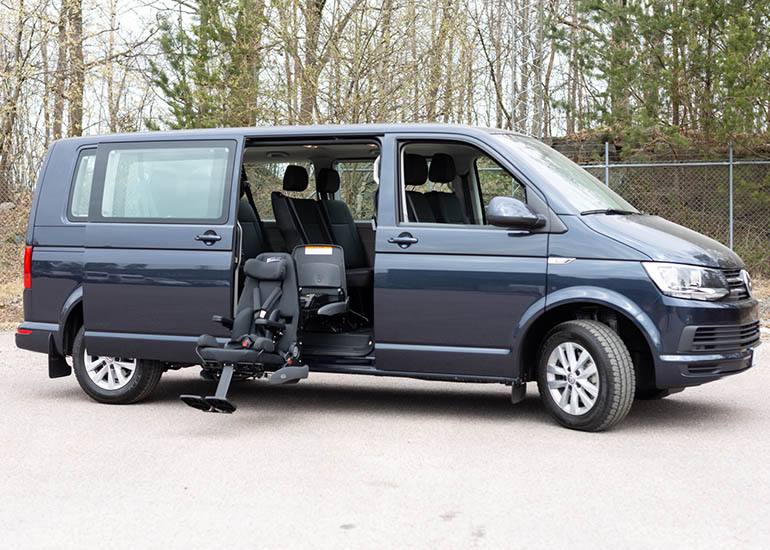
(727, 200)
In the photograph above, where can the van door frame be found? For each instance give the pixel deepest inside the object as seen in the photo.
(388, 215)
(163, 345)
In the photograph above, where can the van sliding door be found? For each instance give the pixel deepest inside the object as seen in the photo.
(159, 247)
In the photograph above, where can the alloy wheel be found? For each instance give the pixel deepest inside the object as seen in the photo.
(573, 379)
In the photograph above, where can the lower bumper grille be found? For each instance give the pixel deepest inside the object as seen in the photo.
(720, 337)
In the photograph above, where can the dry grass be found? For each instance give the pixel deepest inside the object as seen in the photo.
(11, 305)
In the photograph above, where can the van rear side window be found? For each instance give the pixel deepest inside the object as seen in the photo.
(166, 183)
(81, 188)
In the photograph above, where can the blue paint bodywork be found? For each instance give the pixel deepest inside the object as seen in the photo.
(460, 304)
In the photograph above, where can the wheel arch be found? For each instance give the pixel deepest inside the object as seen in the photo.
(70, 320)
(633, 325)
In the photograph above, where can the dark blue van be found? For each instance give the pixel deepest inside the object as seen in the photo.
(428, 251)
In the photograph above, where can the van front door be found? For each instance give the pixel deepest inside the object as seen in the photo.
(159, 247)
(449, 296)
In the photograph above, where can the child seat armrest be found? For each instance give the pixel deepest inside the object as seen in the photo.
(226, 322)
(269, 323)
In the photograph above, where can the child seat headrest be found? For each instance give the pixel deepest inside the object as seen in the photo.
(269, 269)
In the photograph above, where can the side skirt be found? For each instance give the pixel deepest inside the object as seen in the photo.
(337, 368)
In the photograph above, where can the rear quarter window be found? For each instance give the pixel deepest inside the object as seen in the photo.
(80, 195)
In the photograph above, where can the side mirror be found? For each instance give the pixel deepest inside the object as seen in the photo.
(510, 212)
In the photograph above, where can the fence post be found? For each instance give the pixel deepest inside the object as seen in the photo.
(731, 194)
(606, 163)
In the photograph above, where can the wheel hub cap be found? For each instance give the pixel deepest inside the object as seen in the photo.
(110, 373)
(572, 378)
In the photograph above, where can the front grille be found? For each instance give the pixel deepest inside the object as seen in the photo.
(738, 290)
(722, 337)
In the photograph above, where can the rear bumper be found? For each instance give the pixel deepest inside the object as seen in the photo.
(34, 336)
(676, 371)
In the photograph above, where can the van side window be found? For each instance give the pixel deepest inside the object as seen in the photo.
(357, 187)
(81, 186)
(164, 183)
(496, 182)
(451, 183)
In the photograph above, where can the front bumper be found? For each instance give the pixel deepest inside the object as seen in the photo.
(705, 342)
(676, 371)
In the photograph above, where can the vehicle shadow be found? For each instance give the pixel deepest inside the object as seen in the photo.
(444, 400)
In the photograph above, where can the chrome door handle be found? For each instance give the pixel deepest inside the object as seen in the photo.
(209, 237)
(404, 240)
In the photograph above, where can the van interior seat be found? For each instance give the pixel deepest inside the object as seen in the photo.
(299, 220)
(302, 221)
(416, 174)
(343, 228)
(446, 205)
(252, 239)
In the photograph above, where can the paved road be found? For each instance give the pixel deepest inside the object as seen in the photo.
(358, 462)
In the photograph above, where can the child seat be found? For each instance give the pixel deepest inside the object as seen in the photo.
(264, 331)
(323, 291)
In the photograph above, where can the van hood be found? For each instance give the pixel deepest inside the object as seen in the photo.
(664, 241)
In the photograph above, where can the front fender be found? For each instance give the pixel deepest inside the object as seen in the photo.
(612, 300)
(586, 295)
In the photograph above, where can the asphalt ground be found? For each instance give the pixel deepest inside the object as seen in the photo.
(362, 462)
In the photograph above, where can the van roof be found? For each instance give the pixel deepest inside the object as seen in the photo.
(294, 131)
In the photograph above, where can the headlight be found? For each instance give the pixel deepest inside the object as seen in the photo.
(688, 281)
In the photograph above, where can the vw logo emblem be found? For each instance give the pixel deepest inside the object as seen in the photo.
(746, 280)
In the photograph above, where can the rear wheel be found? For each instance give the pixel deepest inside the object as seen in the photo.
(586, 377)
(113, 380)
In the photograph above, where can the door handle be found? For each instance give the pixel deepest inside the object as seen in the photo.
(208, 238)
(404, 240)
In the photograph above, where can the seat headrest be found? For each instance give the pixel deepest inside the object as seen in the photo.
(415, 170)
(269, 269)
(442, 169)
(295, 178)
(328, 181)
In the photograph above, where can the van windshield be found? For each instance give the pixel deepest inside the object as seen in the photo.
(586, 193)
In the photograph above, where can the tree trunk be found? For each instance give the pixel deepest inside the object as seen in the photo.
(61, 70)
(77, 69)
(313, 11)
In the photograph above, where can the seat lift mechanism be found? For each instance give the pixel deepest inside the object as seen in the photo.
(269, 341)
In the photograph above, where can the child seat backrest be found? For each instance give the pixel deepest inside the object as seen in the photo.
(321, 279)
(320, 269)
(265, 274)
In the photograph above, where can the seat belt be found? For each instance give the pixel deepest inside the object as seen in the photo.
(250, 198)
(467, 206)
(328, 229)
(265, 308)
(410, 203)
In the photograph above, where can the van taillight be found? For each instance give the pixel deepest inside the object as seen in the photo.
(27, 267)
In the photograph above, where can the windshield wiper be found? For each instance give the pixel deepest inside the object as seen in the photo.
(610, 212)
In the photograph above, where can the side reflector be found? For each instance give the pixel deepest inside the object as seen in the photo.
(23, 331)
(28, 267)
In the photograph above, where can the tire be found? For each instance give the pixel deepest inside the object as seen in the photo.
(139, 385)
(606, 375)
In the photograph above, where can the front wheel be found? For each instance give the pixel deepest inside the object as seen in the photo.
(113, 380)
(585, 376)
